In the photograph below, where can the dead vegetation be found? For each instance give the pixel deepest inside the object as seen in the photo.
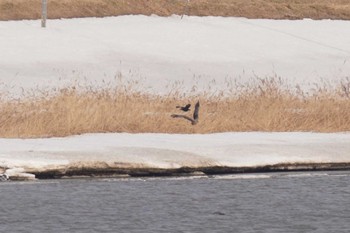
(265, 106)
(271, 9)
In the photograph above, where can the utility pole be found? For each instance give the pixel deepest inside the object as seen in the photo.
(43, 13)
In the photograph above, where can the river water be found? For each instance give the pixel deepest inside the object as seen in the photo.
(267, 202)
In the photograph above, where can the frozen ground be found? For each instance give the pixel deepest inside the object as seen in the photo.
(172, 151)
(160, 51)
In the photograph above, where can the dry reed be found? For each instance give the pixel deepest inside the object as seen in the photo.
(271, 9)
(264, 106)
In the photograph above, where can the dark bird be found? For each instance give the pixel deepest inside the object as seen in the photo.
(193, 120)
(185, 109)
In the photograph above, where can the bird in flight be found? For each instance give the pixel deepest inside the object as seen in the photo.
(193, 120)
(185, 108)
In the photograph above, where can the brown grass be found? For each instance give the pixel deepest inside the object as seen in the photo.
(271, 9)
(262, 107)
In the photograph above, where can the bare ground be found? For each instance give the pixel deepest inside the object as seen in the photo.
(271, 9)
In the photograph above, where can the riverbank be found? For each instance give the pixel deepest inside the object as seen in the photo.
(95, 155)
(167, 57)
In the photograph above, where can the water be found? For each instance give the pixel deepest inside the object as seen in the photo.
(283, 202)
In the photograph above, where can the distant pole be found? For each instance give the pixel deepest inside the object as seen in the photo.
(43, 13)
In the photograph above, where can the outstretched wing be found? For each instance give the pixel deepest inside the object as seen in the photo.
(182, 116)
(196, 112)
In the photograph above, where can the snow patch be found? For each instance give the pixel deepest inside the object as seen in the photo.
(18, 174)
(173, 151)
(207, 52)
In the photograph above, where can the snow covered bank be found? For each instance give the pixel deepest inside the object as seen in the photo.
(145, 154)
(159, 51)
(208, 52)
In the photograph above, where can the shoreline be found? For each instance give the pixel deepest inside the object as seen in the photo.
(135, 155)
(91, 172)
(189, 171)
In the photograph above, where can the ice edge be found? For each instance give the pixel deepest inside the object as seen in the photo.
(122, 172)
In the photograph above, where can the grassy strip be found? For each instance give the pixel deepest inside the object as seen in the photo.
(262, 107)
(271, 9)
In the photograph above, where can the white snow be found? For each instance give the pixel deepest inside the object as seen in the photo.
(174, 150)
(19, 174)
(160, 51)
